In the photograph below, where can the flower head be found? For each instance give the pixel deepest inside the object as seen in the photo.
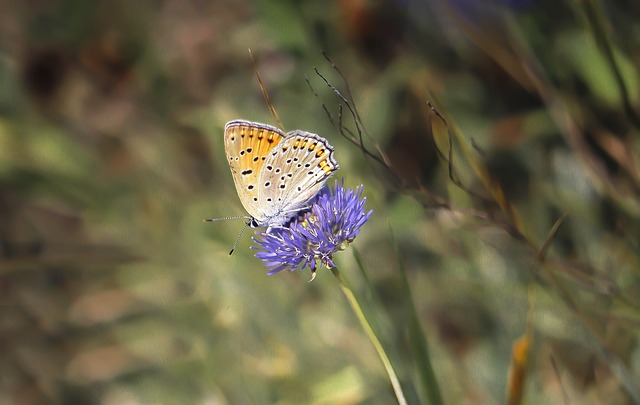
(310, 240)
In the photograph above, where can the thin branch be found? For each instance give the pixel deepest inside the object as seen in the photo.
(264, 92)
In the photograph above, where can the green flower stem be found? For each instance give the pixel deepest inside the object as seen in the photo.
(395, 383)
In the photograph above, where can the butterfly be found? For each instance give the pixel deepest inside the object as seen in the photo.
(276, 174)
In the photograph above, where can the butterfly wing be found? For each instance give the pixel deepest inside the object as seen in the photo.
(293, 174)
(247, 146)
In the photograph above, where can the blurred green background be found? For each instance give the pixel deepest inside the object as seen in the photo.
(113, 290)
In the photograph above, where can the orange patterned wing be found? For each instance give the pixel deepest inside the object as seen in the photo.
(247, 145)
(294, 173)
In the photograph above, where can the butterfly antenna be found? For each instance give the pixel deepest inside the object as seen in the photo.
(244, 228)
(226, 218)
(264, 92)
(246, 224)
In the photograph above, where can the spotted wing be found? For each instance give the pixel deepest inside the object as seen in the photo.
(247, 146)
(293, 174)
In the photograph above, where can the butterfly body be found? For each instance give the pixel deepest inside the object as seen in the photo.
(276, 173)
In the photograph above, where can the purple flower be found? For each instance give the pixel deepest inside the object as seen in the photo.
(310, 240)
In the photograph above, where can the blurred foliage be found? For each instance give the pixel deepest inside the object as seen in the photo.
(513, 202)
